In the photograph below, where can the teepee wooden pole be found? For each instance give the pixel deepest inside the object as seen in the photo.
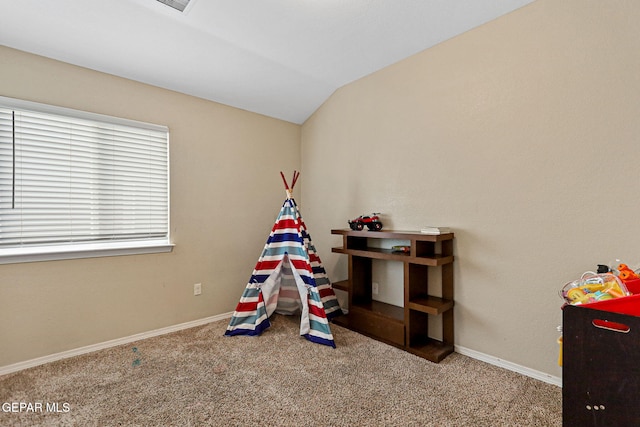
(288, 189)
(286, 186)
(295, 179)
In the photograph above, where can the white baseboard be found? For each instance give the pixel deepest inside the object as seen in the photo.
(107, 344)
(538, 375)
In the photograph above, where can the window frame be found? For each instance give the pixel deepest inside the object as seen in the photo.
(33, 253)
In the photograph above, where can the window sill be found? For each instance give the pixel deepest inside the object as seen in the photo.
(96, 250)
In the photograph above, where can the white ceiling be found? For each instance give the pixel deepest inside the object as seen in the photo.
(280, 58)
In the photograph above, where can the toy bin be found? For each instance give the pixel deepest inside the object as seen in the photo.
(601, 363)
(633, 285)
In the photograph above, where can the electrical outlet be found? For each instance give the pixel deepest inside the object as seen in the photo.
(197, 289)
(374, 288)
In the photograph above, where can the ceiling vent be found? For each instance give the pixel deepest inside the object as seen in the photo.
(180, 5)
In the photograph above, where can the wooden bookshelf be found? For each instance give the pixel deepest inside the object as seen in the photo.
(406, 327)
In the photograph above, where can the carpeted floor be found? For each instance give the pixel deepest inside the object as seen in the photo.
(197, 377)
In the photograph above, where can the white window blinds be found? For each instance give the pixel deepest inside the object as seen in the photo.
(69, 178)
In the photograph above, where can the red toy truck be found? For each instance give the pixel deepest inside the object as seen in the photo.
(371, 221)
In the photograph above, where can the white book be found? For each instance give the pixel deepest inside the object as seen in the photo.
(435, 230)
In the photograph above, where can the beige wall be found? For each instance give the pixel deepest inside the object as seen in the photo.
(522, 135)
(225, 192)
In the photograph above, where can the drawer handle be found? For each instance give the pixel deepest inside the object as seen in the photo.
(611, 326)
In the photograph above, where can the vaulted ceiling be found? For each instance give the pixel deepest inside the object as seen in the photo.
(280, 58)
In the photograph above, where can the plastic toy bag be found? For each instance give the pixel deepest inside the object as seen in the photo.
(593, 287)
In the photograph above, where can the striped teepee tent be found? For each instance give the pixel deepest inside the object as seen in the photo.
(288, 279)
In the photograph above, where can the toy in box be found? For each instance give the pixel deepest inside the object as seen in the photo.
(593, 287)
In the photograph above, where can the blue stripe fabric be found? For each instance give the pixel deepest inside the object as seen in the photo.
(281, 250)
(283, 237)
(322, 327)
(318, 270)
(251, 332)
(319, 340)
